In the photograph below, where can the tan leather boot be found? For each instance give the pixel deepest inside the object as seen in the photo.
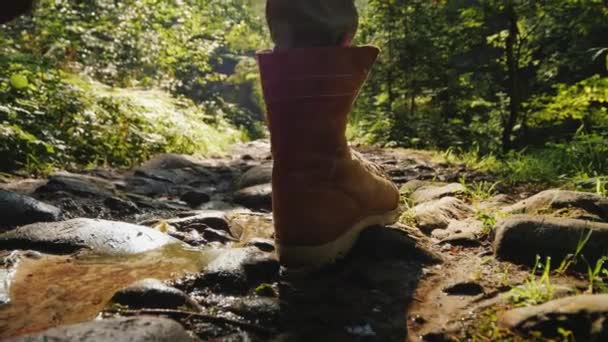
(324, 194)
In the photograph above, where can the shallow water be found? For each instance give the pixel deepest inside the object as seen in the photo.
(58, 290)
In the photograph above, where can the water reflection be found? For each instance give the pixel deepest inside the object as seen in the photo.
(57, 290)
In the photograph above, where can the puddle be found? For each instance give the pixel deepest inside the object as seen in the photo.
(58, 290)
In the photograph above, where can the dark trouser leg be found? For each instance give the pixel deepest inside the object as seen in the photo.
(311, 23)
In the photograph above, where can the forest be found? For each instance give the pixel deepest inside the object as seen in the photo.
(516, 87)
(143, 198)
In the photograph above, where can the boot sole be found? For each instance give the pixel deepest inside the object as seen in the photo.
(313, 258)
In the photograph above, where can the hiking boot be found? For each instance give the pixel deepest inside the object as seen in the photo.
(324, 194)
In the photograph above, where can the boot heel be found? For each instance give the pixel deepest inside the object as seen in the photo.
(306, 259)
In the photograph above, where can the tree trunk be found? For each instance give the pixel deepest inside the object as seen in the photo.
(513, 80)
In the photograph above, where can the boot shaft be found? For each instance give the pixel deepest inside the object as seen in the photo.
(309, 94)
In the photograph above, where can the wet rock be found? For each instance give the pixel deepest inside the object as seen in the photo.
(438, 214)
(202, 220)
(466, 288)
(222, 236)
(585, 315)
(265, 245)
(237, 270)
(120, 205)
(396, 244)
(264, 309)
(16, 210)
(261, 174)
(257, 197)
(520, 238)
(195, 198)
(433, 192)
(191, 237)
(130, 329)
(78, 184)
(552, 200)
(154, 294)
(104, 237)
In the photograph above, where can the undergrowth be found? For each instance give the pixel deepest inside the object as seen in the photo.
(53, 119)
(572, 163)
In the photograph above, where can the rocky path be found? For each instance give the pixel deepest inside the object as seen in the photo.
(181, 249)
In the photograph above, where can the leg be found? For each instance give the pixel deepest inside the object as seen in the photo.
(309, 23)
(324, 194)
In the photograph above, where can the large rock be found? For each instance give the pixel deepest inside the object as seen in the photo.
(135, 329)
(586, 316)
(153, 294)
(100, 236)
(261, 174)
(433, 192)
(79, 184)
(520, 238)
(438, 214)
(237, 270)
(17, 210)
(257, 197)
(551, 200)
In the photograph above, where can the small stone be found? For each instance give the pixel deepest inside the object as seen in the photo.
(261, 174)
(585, 316)
(432, 192)
(265, 309)
(195, 198)
(464, 239)
(469, 228)
(120, 205)
(265, 245)
(17, 210)
(154, 294)
(439, 213)
(520, 238)
(127, 329)
(257, 197)
(222, 236)
(203, 219)
(467, 288)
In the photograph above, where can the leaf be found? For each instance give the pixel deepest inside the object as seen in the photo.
(19, 81)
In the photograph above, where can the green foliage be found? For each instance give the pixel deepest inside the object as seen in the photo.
(487, 74)
(52, 112)
(535, 290)
(583, 157)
